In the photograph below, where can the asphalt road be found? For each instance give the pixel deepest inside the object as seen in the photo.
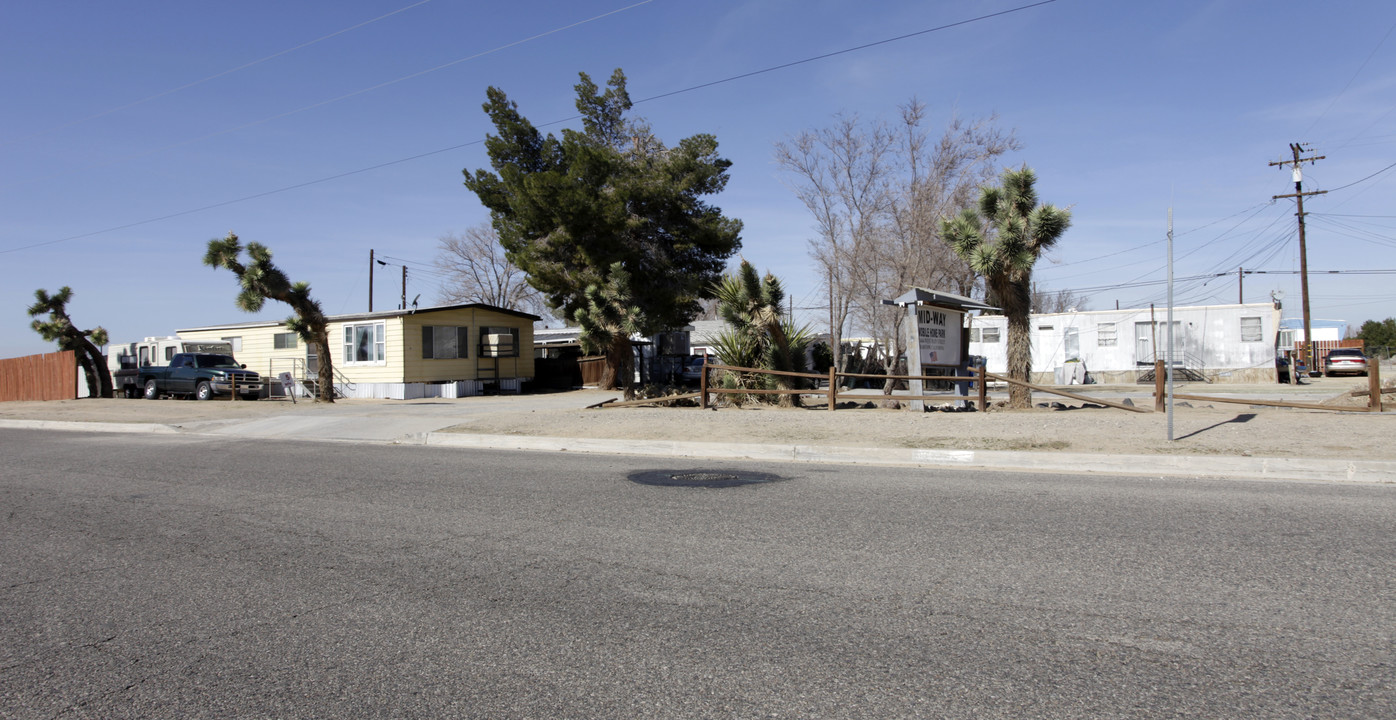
(179, 577)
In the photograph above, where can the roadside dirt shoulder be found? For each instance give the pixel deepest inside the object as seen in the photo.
(1232, 430)
(1199, 429)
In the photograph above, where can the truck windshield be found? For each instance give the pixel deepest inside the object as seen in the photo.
(215, 361)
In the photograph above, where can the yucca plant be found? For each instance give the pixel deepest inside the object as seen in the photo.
(752, 306)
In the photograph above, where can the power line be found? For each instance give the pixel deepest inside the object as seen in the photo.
(1365, 179)
(1350, 81)
(836, 53)
(215, 76)
(1212, 276)
(336, 99)
(399, 161)
(1256, 208)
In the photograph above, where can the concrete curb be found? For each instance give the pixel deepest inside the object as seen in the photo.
(1250, 468)
(1381, 472)
(107, 427)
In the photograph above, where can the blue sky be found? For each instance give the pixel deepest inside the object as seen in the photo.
(132, 133)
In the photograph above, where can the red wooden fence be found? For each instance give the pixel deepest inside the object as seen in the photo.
(50, 376)
(1321, 348)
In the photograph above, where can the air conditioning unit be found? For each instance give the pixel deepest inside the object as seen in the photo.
(498, 345)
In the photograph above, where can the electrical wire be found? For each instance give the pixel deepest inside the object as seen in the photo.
(1365, 179)
(214, 76)
(439, 151)
(856, 48)
(1350, 81)
(1256, 208)
(1338, 227)
(323, 103)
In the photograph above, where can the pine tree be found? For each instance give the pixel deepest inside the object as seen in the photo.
(610, 224)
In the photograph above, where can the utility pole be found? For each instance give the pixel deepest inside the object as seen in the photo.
(1240, 286)
(1298, 195)
(404, 287)
(370, 280)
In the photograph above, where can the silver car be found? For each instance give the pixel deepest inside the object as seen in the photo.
(1345, 360)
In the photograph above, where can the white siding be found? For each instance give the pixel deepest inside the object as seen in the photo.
(1209, 336)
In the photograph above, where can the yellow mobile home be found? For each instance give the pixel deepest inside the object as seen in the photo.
(446, 351)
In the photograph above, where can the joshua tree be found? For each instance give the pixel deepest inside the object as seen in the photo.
(262, 281)
(84, 343)
(1002, 241)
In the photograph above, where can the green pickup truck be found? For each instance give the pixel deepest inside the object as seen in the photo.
(202, 376)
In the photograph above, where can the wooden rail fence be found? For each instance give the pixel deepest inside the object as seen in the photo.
(50, 376)
(978, 380)
(1374, 393)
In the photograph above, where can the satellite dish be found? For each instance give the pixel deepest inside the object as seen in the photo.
(1277, 294)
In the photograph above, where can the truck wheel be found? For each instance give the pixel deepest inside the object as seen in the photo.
(152, 391)
(204, 391)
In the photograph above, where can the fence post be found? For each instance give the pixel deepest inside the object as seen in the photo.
(1374, 385)
(703, 384)
(235, 386)
(833, 385)
(983, 385)
(1160, 376)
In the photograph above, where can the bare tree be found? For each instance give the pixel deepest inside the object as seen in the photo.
(877, 194)
(707, 310)
(843, 176)
(1046, 301)
(480, 273)
(936, 177)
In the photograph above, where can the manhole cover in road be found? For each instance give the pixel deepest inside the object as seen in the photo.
(701, 478)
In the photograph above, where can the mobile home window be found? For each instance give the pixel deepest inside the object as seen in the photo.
(1105, 334)
(441, 342)
(991, 335)
(974, 335)
(499, 342)
(363, 344)
(1250, 329)
(285, 341)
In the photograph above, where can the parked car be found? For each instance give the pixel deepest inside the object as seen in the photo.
(1345, 360)
(200, 375)
(692, 370)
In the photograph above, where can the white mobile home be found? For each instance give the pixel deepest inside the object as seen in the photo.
(1221, 343)
(447, 351)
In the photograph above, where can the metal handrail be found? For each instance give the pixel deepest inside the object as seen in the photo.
(300, 373)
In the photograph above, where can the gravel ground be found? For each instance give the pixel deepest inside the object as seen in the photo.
(1199, 428)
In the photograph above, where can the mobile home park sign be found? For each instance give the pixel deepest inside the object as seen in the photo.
(938, 331)
(939, 339)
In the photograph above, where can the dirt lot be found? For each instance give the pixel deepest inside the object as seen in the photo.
(1199, 428)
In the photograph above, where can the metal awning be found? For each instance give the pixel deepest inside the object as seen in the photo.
(922, 296)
